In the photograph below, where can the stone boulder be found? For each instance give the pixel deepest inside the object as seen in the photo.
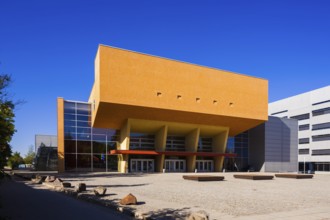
(200, 215)
(130, 199)
(50, 179)
(66, 184)
(100, 190)
(80, 187)
(57, 182)
(38, 179)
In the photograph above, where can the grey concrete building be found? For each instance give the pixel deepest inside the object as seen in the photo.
(312, 110)
(273, 146)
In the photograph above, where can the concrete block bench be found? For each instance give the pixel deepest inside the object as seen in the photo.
(254, 176)
(203, 177)
(294, 175)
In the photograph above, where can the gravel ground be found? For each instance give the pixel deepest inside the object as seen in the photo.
(168, 194)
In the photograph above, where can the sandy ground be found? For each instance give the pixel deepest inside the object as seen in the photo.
(168, 194)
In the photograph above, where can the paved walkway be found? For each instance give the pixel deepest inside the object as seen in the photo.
(19, 201)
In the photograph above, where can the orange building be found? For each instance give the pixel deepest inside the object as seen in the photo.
(159, 114)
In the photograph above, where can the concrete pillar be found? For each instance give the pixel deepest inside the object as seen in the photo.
(191, 142)
(160, 146)
(219, 144)
(124, 145)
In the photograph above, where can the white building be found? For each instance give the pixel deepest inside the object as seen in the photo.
(312, 110)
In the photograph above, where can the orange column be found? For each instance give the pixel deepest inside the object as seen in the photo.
(60, 134)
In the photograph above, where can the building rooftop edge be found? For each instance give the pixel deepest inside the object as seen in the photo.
(180, 61)
(304, 93)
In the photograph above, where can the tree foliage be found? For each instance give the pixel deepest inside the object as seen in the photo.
(7, 127)
(15, 160)
(29, 157)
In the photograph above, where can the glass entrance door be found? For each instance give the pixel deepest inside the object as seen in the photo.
(172, 165)
(142, 165)
(204, 165)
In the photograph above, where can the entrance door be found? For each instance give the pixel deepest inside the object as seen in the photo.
(142, 165)
(172, 165)
(204, 165)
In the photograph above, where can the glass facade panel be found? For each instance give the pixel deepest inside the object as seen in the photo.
(70, 146)
(70, 162)
(83, 118)
(99, 147)
(240, 146)
(84, 130)
(84, 162)
(69, 117)
(99, 162)
(112, 162)
(85, 147)
(69, 130)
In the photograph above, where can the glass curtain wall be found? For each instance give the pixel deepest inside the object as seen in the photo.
(240, 146)
(86, 148)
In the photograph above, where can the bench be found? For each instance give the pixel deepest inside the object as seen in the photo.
(203, 177)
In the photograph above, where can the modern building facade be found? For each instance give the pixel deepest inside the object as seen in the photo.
(312, 110)
(154, 114)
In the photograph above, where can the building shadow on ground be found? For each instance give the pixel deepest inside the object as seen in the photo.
(119, 185)
(168, 213)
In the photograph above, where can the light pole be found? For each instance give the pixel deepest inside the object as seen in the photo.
(304, 164)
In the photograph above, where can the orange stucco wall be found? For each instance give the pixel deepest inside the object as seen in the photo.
(60, 134)
(134, 85)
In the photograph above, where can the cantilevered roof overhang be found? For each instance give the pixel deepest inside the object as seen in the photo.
(139, 86)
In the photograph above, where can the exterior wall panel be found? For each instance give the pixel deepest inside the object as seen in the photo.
(135, 85)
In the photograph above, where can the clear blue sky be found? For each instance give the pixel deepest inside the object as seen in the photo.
(49, 46)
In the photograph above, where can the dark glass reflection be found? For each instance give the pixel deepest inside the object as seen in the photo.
(84, 162)
(70, 161)
(84, 147)
(69, 146)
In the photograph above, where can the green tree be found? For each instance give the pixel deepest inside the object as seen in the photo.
(15, 160)
(29, 157)
(7, 127)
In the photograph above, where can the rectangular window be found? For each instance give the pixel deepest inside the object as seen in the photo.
(140, 141)
(303, 127)
(321, 126)
(323, 137)
(319, 103)
(304, 151)
(322, 111)
(175, 143)
(276, 113)
(304, 141)
(321, 152)
(301, 117)
(205, 144)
